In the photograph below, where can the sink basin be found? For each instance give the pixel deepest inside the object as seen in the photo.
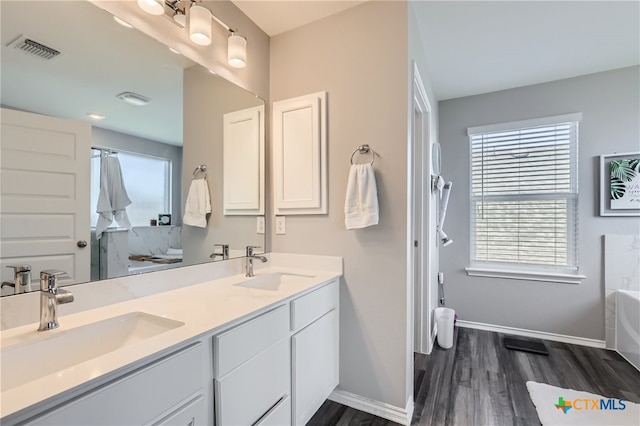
(39, 353)
(271, 282)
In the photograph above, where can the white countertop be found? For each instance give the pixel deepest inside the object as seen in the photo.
(204, 308)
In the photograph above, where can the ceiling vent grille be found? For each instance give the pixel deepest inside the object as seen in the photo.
(34, 48)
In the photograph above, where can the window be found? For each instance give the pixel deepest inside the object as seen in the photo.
(147, 181)
(524, 199)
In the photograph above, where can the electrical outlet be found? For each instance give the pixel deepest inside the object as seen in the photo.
(281, 227)
(260, 225)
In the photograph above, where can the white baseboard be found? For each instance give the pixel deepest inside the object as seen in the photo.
(377, 408)
(583, 341)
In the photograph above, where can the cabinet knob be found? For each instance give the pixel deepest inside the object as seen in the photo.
(82, 243)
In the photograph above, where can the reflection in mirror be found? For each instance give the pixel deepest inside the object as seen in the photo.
(436, 158)
(54, 155)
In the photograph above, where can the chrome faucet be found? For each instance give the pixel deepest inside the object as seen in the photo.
(21, 279)
(224, 253)
(249, 261)
(50, 297)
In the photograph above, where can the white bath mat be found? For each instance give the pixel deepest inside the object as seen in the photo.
(558, 406)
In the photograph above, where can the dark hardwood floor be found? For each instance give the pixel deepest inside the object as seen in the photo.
(480, 382)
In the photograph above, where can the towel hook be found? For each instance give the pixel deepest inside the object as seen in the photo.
(364, 149)
(201, 168)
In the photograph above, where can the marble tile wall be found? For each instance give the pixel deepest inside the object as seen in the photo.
(621, 272)
(154, 240)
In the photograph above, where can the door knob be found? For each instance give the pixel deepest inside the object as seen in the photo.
(82, 243)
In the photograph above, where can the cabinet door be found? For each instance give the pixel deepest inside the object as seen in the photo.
(300, 155)
(243, 141)
(315, 366)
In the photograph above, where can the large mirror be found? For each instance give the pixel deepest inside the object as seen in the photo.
(58, 162)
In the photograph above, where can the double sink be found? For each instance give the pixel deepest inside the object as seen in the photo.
(34, 354)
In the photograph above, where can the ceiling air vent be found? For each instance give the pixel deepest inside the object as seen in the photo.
(133, 98)
(34, 48)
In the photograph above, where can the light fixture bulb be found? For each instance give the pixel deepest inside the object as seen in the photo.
(200, 25)
(154, 7)
(237, 51)
(180, 18)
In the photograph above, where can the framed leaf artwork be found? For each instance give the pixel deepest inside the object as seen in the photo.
(620, 184)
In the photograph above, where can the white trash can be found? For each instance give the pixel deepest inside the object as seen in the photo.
(444, 321)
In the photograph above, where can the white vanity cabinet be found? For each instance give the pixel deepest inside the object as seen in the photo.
(271, 368)
(168, 391)
(314, 350)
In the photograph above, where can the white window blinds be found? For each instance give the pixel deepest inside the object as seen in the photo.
(524, 194)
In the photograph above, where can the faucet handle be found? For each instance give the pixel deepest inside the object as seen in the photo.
(249, 252)
(20, 268)
(49, 278)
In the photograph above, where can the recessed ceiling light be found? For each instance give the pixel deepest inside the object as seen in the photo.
(212, 72)
(95, 116)
(121, 22)
(133, 98)
(175, 51)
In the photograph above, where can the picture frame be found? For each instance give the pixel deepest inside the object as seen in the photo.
(164, 219)
(625, 190)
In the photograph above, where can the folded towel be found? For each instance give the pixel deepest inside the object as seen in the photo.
(198, 204)
(113, 199)
(361, 202)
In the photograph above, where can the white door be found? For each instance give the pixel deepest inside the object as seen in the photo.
(424, 259)
(44, 193)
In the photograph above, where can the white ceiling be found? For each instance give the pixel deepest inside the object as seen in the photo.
(480, 46)
(477, 47)
(275, 17)
(99, 60)
(472, 47)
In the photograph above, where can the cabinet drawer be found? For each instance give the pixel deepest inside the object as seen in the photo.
(191, 414)
(137, 398)
(279, 415)
(313, 305)
(241, 343)
(246, 394)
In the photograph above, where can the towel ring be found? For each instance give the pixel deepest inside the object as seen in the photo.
(201, 168)
(364, 149)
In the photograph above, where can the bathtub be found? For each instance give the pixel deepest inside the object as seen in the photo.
(628, 326)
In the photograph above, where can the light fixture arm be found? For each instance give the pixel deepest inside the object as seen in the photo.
(198, 22)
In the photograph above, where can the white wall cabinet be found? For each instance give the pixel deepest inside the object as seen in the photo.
(243, 152)
(300, 155)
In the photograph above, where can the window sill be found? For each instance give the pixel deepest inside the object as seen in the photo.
(552, 277)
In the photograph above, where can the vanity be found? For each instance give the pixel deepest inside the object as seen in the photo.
(228, 351)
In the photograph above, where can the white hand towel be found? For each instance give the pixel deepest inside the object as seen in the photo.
(198, 204)
(113, 199)
(361, 202)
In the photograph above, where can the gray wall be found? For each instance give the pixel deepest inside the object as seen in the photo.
(206, 99)
(610, 105)
(119, 141)
(360, 57)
